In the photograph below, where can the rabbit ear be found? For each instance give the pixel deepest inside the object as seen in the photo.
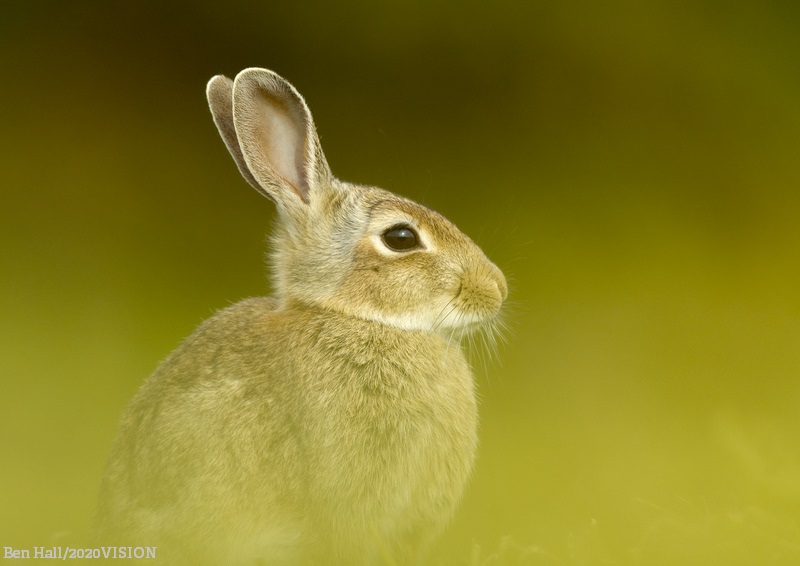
(219, 92)
(277, 138)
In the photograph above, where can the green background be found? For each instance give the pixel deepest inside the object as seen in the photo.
(632, 167)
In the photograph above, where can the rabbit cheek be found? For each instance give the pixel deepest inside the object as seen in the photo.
(398, 291)
(414, 283)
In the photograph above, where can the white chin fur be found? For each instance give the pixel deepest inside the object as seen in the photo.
(445, 323)
(405, 322)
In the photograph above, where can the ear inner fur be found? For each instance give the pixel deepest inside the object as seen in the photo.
(273, 124)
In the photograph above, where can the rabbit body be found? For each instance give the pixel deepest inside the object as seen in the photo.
(334, 423)
(332, 440)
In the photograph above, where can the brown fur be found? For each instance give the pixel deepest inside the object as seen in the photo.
(335, 423)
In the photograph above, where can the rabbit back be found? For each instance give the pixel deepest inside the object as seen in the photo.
(295, 433)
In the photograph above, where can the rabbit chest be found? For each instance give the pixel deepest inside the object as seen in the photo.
(388, 430)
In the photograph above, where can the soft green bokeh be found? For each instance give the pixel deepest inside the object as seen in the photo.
(633, 168)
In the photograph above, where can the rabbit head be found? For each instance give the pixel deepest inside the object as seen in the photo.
(358, 250)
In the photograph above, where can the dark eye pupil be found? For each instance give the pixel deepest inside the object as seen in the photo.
(400, 238)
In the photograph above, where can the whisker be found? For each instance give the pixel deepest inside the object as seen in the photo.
(441, 319)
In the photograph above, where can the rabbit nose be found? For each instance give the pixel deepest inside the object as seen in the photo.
(502, 285)
(499, 280)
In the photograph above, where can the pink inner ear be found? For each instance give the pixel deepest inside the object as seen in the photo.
(281, 139)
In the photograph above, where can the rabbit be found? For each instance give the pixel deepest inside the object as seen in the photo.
(334, 422)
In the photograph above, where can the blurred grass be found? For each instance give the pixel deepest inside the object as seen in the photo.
(632, 168)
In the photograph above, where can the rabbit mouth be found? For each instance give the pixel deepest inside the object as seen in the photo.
(462, 323)
(471, 308)
(483, 336)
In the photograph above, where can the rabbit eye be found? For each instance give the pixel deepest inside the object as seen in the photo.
(400, 238)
